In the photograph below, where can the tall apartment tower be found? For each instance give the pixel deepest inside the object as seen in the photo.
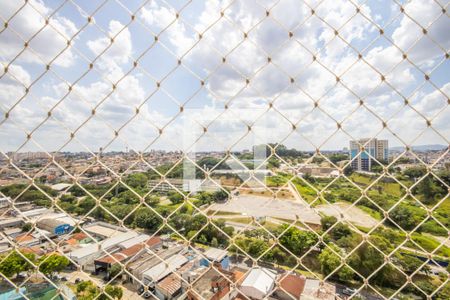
(378, 149)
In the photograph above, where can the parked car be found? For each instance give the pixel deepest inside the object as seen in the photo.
(140, 290)
(348, 291)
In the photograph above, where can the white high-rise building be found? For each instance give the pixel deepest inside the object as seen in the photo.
(363, 151)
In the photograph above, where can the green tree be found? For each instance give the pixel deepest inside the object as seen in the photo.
(297, 240)
(415, 172)
(405, 216)
(444, 292)
(220, 195)
(67, 198)
(146, 218)
(26, 227)
(337, 157)
(330, 262)
(367, 259)
(410, 264)
(340, 230)
(115, 270)
(348, 171)
(85, 205)
(214, 242)
(112, 291)
(256, 247)
(327, 221)
(277, 255)
(176, 198)
(52, 263)
(273, 162)
(137, 180)
(87, 290)
(430, 190)
(16, 262)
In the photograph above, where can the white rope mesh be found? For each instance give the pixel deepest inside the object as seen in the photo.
(224, 149)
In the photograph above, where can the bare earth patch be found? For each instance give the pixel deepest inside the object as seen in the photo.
(353, 214)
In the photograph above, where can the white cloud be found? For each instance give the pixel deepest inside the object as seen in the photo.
(120, 50)
(248, 58)
(112, 56)
(25, 24)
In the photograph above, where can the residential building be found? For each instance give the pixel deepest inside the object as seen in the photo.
(103, 230)
(258, 283)
(11, 222)
(316, 290)
(85, 256)
(164, 268)
(54, 226)
(211, 285)
(290, 287)
(5, 202)
(216, 256)
(364, 151)
(147, 259)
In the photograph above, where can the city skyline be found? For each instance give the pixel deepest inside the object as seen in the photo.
(224, 149)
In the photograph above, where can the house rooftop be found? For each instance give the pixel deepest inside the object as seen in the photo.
(79, 236)
(105, 244)
(171, 284)
(122, 255)
(215, 254)
(165, 267)
(202, 285)
(102, 231)
(60, 186)
(314, 290)
(293, 284)
(261, 279)
(134, 241)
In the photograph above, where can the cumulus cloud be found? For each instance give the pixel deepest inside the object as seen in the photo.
(28, 25)
(269, 81)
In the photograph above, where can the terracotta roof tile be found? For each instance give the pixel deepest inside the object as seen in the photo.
(293, 284)
(122, 255)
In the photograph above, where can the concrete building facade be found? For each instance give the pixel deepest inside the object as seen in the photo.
(363, 152)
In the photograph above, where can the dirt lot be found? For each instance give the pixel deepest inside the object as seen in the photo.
(258, 206)
(353, 214)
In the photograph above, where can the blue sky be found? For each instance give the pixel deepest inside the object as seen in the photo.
(280, 93)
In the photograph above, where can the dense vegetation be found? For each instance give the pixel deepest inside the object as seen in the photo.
(383, 196)
(87, 290)
(15, 262)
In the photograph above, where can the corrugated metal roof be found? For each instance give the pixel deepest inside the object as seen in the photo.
(122, 255)
(171, 284)
(163, 269)
(136, 240)
(261, 279)
(105, 244)
(215, 254)
(104, 231)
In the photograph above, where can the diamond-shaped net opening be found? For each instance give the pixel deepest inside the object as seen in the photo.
(238, 149)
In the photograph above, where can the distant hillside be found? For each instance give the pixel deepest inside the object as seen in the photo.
(421, 148)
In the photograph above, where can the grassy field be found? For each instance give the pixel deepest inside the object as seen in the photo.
(243, 220)
(429, 244)
(221, 213)
(373, 213)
